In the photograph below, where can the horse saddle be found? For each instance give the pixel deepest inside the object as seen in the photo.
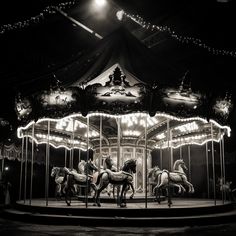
(78, 177)
(119, 176)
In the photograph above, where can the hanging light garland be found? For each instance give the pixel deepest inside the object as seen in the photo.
(120, 15)
(36, 19)
(165, 29)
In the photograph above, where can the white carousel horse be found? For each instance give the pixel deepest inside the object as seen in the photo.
(123, 178)
(109, 164)
(59, 174)
(154, 175)
(176, 178)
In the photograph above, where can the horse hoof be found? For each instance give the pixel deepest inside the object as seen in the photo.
(99, 205)
(94, 204)
(122, 205)
(68, 204)
(131, 197)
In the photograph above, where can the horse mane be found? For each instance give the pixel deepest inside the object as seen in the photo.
(58, 170)
(150, 172)
(81, 166)
(177, 162)
(153, 170)
(108, 163)
(157, 167)
(128, 163)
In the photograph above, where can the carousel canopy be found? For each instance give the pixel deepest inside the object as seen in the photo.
(117, 76)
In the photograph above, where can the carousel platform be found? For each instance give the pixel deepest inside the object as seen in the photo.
(183, 212)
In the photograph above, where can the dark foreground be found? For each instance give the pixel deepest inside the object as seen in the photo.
(11, 228)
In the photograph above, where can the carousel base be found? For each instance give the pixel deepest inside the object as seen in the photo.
(139, 213)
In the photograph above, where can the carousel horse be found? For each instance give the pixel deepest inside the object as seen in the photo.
(123, 178)
(109, 164)
(88, 168)
(81, 180)
(226, 189)
(81, 167)
(177, 178)
(59, 174)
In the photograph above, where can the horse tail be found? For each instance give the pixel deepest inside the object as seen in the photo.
(168, 174)
(159, 179)
(70, 182)
(65, 178)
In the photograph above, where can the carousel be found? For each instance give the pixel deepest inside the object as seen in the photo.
(164, 144)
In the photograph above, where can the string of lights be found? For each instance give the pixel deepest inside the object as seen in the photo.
(165, 29)
(38, 18)
(120, 14)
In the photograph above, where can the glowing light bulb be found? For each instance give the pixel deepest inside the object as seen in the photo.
(120, 15)
(100, 3)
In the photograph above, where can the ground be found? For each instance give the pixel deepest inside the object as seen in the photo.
(18, 228)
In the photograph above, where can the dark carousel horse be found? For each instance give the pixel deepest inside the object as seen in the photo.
(84, 180)
(123, 178)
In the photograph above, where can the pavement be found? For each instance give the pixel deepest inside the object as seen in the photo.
(16, 228)
(11, 227)
(19, 228)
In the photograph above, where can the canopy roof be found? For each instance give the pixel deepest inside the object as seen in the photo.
(117, 76)
(119, 47)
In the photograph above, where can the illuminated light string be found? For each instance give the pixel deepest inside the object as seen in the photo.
(183, 39)
(53, 145)
(20, 130)
(165, 145)
(120, 14)
(36, 19)
(139, 114)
